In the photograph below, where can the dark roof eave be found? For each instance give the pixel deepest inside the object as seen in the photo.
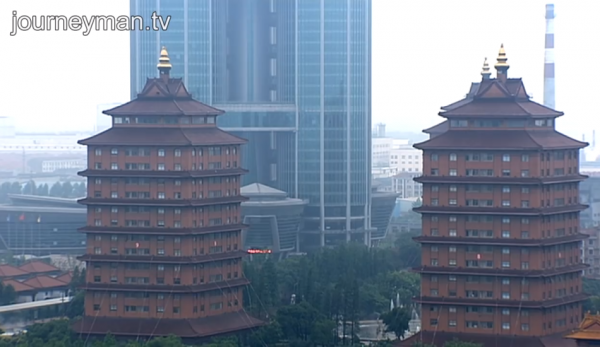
(499, 180)
(501, 302)
(162, 231)
(164, 202)
(445, 114)
(500, 210)
(501, 272)
(501, 242)
(164, 288)
(162, 174)
(199, 259)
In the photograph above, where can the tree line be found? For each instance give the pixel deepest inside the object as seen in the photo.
(57, 190)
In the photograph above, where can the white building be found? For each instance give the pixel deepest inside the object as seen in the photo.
(405, 158)
(60, 164)
(381, 148)
(406, 188)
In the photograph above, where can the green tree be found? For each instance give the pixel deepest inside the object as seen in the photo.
(30, 188)
(409, 251)
(7, 294)
(268, 335)
(15, 188)
(56, 190)
(42, 190)
(79, 190)
(396, 321)
(67, 190)
(4, 191)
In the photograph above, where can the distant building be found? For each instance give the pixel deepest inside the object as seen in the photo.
(381, 148)
(273, 219)
(405, 158)
(588, 332)
(49, 166)
(590, 251)
(405, 186)
(36, 280)
(41, 225)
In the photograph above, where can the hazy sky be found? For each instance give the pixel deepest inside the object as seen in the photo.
(425, 55)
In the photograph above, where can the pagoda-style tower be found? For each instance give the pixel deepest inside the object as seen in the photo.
(164, 252)
(500, 244)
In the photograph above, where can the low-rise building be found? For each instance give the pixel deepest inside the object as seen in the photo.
(36, 280)
(405, 186)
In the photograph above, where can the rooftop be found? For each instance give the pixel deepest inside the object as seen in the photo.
(589, 328)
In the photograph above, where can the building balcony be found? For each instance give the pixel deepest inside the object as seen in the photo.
(499, 180)
(161, 259)
(497, 210)
(433, 300)
(457, 270)
(162, 174)
(162, 231)
(163, 202)
(164, 288)
(500, 241)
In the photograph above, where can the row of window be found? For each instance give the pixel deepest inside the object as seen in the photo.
(216, 249)
(497, 123)
(146, 152)
(478, 249)
(162, 238)
(161, 280)
(505, 234)
(504, 172)
(165, 120)
(176, 211)
(558, 202)
(161, 166)
(486, 264)
(506, 280)
(161, 223)
(215, 306)
(507, 220)
(162, 195)
(478, 324)
(176, 182)
(506, 157)
(160, 267)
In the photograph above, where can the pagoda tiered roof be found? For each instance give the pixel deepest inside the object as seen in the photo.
(184, 328)
(164, 97)
(499, 99)
(501, 140)
(148, 136)
(589, 328)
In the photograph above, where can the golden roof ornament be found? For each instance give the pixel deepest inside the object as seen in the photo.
(485, 71)
(501, 61)
(164, 62)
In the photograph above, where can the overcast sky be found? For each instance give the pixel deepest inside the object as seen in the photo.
(425, 55)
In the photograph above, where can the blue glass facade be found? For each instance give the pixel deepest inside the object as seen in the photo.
(295, 79)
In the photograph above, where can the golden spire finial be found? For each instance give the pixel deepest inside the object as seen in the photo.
(501, 61)
(164, 63)
(485, 71)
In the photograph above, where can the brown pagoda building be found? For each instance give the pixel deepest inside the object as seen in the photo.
(164, 252)
(500, 244)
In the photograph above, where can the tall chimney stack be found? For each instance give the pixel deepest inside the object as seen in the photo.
(549, 82)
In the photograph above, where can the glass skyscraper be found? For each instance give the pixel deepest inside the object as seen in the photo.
(295, 79)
